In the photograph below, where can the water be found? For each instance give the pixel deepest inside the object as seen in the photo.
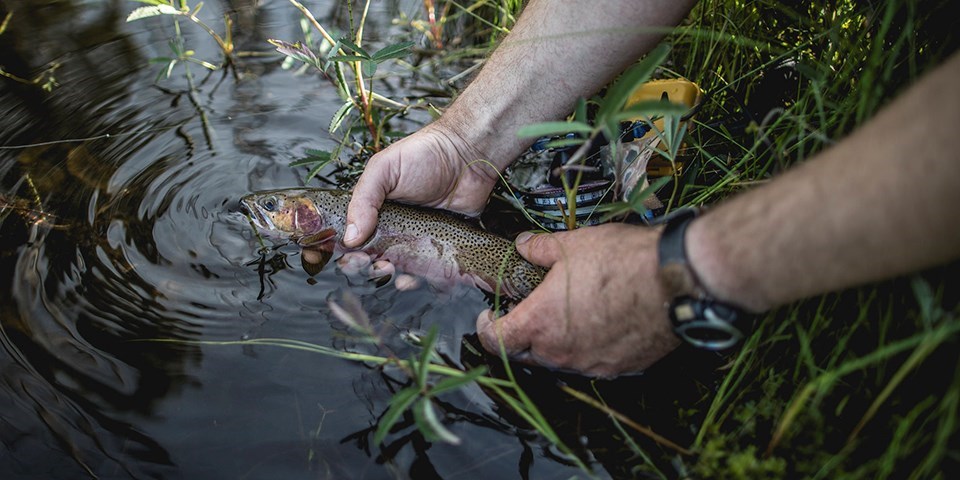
(137, 236)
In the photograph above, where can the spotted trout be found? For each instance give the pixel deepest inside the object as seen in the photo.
(438, 247)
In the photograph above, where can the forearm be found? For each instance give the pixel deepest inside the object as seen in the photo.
(878, 204)
(558, 51)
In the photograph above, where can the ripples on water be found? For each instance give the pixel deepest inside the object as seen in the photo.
(137, 237)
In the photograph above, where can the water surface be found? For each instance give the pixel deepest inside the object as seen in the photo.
(122, 226)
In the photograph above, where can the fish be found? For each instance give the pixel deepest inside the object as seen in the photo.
(442, 249)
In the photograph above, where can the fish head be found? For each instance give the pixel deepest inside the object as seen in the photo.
(289, 214)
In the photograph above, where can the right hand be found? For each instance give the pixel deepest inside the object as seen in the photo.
(433, 167)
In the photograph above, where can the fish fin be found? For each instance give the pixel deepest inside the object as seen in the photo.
(313, 268)
(489, 285)
(317, 238)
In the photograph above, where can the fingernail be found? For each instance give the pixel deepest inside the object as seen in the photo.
(350, 233)
(523, 237)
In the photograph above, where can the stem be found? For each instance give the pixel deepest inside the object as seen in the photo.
(365, 97)
(226, 47)
(316, 24)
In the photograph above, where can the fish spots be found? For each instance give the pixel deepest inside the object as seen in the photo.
(424, 242)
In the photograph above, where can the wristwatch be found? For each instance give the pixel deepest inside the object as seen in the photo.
(697, 317)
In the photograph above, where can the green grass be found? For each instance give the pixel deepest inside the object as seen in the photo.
(857, 384)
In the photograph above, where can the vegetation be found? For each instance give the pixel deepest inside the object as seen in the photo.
(858, 384)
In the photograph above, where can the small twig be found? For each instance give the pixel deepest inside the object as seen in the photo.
(623, 418)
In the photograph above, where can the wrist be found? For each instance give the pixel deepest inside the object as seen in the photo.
(717, 269)
(483, 130)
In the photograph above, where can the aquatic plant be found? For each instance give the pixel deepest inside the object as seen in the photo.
(44, 79)
(363, 65)
(859, 384)
(181, 9)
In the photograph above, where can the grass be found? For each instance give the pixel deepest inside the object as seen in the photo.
(857, 384)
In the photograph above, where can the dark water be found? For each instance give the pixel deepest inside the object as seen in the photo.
(136, 236)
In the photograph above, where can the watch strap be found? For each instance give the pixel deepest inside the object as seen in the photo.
(697, 317)
(675, 272)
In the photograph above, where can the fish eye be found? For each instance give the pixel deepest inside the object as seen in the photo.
(269, 204)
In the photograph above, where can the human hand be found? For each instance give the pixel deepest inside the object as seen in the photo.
(433, 167)
(600, 309)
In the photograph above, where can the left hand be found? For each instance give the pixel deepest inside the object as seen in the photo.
(600, 309)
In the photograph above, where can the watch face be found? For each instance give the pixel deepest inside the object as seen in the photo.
(705, 323)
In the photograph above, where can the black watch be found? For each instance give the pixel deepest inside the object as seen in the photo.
(697, 317)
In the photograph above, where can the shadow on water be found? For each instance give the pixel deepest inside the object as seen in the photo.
(120, 224)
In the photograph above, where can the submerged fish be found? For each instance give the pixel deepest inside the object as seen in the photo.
(428, 243)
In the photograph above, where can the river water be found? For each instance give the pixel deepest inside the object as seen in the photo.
(121, 225)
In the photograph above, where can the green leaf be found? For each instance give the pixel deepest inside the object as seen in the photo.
(353, 47)
(453, 383)
(638, 195)
(396, 50)
(423, 367)
(315, 170)
(339, 116)
(146, 12)
(348, 58)
(620, 91)
(400, 402)
(369, 68)
(547, 129)
(430, 425)
(565, 142)
(580, 113)
(651, 108)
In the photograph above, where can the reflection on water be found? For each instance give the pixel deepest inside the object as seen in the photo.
(120, 225)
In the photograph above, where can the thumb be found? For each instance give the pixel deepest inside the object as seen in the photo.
(543, 249)
(363, 209)
(506, 330)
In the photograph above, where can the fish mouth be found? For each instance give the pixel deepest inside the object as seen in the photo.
(249, 208)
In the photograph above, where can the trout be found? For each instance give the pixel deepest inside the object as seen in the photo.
(428, 243)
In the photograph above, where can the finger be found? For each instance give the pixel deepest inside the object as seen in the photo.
(368, 196)
(406, 282)
(542, 249)
(493, 333)
(508, 331)
(382, 268)
(351, 263)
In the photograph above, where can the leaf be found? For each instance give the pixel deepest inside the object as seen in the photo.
(146, 12)
(638, 195)
(314, 156)
(348, 58)
(650, 108)
(453, 383)
(620, 91)
(565, 142)
(430, 425)
(6, 21)
(339, 116)
(316, 169)
(423, 367)
(297, 51)
(396, 50)
(547, 129)
(400, 402)
(353, 47)
(351, 313)
(369, 68)
(580, 113)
